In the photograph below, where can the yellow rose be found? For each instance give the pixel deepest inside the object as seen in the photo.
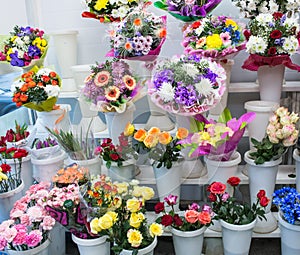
(214, 41)
(133, 205)
(137, 191)
(154, 131)
(136, 219)
(105, 222)
(150, 141)
(156, 229)
(122, 187)
(116, 203)
(134, 237)
(129, 129)
(2, 176)
(140, 135)
(95, 228)
(164, 138)
(147, 192)
(113, 215)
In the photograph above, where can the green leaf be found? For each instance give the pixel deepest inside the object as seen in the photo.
(161, 5)
(225, 116)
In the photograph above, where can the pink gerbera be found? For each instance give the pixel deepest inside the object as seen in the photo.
(112, 93)
(102, 78)
(225, 37)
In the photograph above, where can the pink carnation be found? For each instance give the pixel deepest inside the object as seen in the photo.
(3, 243)
(21, 228)
(34, 238)
(25, 220)
(20, 238)
(35, 213)
(5, 225)
(48, 223)
(10, 234)
(16, 214)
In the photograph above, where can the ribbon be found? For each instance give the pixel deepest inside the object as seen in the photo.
(254, 61)
(102, 18)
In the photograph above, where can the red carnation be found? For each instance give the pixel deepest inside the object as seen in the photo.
(272, 51)
(277, 15)
(5, 168)
(2, 149)
(166, 220)
(234, 181)
(159, 207)
(212, 197)
(276, 34)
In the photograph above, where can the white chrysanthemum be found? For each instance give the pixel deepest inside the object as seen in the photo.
(256, 44)
(190, 69)
(20, 52)
(290, 45)
(264, 18)
(52, 91)
(16, 84)
(26, 39)
(273, 6)
(123, 10)
(44, 71)
(115, 13)
(290, 22)
(166, 92)
(204, 87)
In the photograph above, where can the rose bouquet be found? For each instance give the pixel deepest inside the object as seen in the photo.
(216, 37)
(252, 8)
(217, 140)
(139, 36)
(187, 85)
(25, 47)
(19, 136)
(111, 87)
(272, 39)
(281, 133)
(227, 208)
(187, 10)
(163, 149)
(37, 89)
(29, 224)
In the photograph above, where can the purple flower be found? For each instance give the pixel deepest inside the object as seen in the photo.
(225, 197)
(194, 206)
(279, 41)
(185, 95)
(163, 76)
(171, 199)
(33, 51)
(15, 61)
(210, 75)
(198, 11)
(24, 31)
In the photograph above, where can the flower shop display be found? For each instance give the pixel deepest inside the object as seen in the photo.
(287, 201)
(270, 51)
(187, 85)
(29, 225)
(187, 11)
(24, 47)
(236, 218)
(139, 36)
(187, 227)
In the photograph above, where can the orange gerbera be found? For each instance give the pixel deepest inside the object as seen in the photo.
(31, 84)
(129, 82)
(137, 22)
(102, 78)
(112, 93)
(23, 98)
(128, 46)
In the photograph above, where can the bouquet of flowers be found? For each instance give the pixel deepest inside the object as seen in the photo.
(252, 8)
(272, 39)
(37, 89)
(162, 147)
(281, 133)
(45, 148)
(217, 140)
(188, 10)
(228, 209)
(17, 137)
(111, 86)
(187, 85)
(25, 47)
(287, 200)
(116, 153)
(109, 10)
(214, 36)
(29, 224)
(139, 36)
(193, 218)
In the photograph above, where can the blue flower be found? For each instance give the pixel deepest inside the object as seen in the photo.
(15, 61)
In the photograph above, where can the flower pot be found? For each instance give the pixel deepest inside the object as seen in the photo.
(290, 235)
(44, 169)
(149, 250)
(7, 200)
(57, 240)
(126, 172)
(188, 242)
(80, 72)
(97, 246)
(236, 238)
(296, 157)
(270, 80)
(168, 181)
(116, 122)
(263, 110)
(94, 165)
(39, 250)
(263, 177)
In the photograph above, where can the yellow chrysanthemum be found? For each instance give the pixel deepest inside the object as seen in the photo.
(231, 22)
(156, 229)
(214, 41)
(100, 4)
(8, 58)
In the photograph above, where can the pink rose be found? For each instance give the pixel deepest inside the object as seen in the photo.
(171, 199)
(204, 218)
(191, 216)
(285, 120)
(20, 238)
(48, 223)
(194, 206)
(217, 188)
(34, 238)
(287, 130)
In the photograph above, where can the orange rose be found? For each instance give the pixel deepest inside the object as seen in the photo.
(204, 218)
(182, 133)
(150, 141)
(140, 135)
(154, 131)
(164, 138)
(191, 216)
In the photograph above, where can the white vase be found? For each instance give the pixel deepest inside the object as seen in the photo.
(188, 242)
(7, 200)
(149, 250)
(124, 173)
(116, 122)
(168, 181)
(270, 80)
(57, 240)
(44, 169)
(296, 157)
(236, 238)
(263, 111)
(263, 177)
(289, 236)
(94, 165)
(80, 72)
(59, 119)
(26, 170)
(39, 250)
(97, 246)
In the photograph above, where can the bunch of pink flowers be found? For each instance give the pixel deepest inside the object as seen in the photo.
(29, 223)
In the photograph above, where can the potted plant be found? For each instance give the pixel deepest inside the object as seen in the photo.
(237, 219)
(187, 227)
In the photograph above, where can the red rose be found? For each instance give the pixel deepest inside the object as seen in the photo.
(196, 24)
(114, 156)
(2, 149)
(247, 34)
(159, 207)
(5, 168)
(217, 188)
(212, 197)
(277, 15)
(261, 194)
(177, 220)
(276, 34)
(166, 220)
(234, 181)
(264, 201)
(272, 51)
